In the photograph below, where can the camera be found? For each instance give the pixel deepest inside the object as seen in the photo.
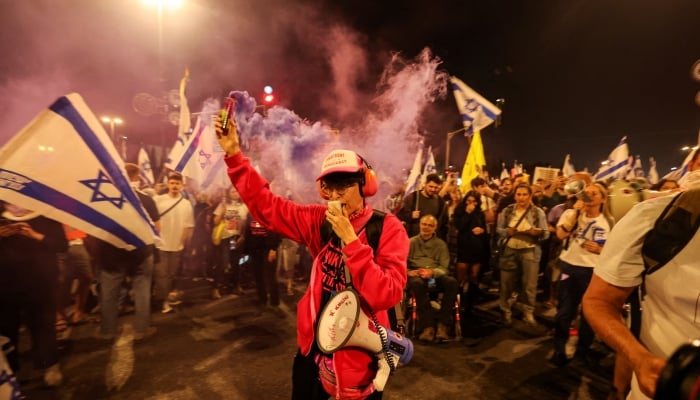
(680, 379)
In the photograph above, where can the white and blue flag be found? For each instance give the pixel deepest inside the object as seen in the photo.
(617, 164)
(568, 168)
(477, 112)
(146, 170)
(430, 167)
(64, 166)
(200, 157)
(653, 176)
(415, 174)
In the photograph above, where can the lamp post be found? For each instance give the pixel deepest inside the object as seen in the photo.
(450, 135)
(112, 122)
(161, 5)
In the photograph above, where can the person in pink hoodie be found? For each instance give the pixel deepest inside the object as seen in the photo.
(378, 276)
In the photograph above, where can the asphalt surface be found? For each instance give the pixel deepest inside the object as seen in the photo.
(228, 349)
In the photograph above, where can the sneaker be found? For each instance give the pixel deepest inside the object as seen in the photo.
(559, 359)
(139, 337)
(507, 318)
(175, 298)
(53, 376)
(167, 308)
(428, 335)
(215, 294)
(441, 334)
(529, 318)
(237, 290)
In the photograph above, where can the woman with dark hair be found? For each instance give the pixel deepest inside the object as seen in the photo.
(472, 243)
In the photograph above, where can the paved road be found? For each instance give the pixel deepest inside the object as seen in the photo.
(226, 349)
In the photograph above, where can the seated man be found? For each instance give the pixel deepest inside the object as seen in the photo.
(428, 260)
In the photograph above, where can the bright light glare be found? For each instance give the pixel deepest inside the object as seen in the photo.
(118, 120)
(169, 4)
(269, 98)
(268, 89)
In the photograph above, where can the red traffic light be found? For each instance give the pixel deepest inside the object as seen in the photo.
(269, 98)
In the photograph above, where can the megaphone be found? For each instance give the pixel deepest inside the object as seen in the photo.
(343, 324)
(576, 188)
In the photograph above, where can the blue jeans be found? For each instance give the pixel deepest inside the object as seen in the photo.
(572, 285)
(111, 282)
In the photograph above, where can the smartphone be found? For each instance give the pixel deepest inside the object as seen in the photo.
(336, 204)
(227, 113)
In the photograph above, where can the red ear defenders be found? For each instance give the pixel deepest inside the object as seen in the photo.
(368, 184)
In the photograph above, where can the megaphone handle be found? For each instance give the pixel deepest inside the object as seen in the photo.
(383, 373)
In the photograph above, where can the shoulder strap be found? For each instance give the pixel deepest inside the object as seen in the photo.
(672, 231)
(173, 206)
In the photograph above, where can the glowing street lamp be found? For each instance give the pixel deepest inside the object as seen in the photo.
(161, 5)
(113, 122)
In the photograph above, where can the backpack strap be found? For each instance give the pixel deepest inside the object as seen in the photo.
(672, 232)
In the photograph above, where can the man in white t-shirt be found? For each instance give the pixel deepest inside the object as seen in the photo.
(669, 309)
(176, 225)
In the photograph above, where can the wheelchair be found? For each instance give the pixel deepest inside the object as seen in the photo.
(404, 318)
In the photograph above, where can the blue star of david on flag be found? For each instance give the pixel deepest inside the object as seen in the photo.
(98, 194)
(204, 158)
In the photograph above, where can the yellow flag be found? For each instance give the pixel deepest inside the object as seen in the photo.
(474, 162)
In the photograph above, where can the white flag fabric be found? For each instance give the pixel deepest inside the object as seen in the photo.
(430, 166)
(64, 166)
(617, 163)
(200, 157)
(145, 168)
(653, 176)
(504, 172)
(415, 174)
(185, 118)
(682, 171)
(636, 171)
(568, 168)
(477, 112)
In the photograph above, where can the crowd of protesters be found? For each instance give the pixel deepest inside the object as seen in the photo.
(510, 238)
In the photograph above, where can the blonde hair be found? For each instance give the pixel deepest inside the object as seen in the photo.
(605, 206)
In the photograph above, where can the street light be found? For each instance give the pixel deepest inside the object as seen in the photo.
(450, 135)
(112, 121)
(161, 5)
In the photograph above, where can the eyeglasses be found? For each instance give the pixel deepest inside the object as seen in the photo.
(340, 189)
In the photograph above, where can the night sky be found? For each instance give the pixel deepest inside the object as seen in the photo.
(576, 75)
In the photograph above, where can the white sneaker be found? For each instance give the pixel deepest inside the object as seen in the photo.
(53, 376)
(166, 308)
(528, 318)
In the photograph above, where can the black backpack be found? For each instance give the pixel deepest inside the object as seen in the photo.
(672, 232)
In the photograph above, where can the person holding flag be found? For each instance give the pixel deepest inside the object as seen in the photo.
(422, 202)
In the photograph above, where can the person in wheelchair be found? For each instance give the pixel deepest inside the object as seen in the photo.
(428, 261)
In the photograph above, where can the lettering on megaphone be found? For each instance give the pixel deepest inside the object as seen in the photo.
(343, 324)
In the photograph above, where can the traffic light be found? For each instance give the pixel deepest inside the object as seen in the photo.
(269, 97)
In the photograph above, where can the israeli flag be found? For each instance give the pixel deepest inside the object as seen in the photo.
(430, 167)
(145, 168)
(653, 176)
(617, 163)
(64, 166)
(477, 112)
(567, 168)
(200, 157)
(414, 176)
